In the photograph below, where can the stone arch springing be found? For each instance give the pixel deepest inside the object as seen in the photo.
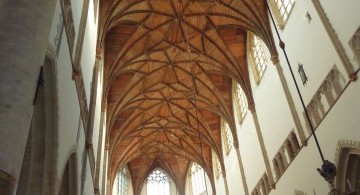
(39, 162)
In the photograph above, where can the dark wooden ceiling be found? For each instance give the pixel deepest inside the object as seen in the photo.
(169, 66)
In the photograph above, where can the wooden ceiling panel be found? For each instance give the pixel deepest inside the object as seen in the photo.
(169, 66)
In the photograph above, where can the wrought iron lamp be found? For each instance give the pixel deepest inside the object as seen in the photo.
(302, 73)
(328, 169)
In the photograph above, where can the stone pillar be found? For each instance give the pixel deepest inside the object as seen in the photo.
(262, 145)
(106, 182)
(24, 35)
(242, 172)
(290, 102)
(225, 182)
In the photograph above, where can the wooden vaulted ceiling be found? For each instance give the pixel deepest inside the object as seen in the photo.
(169, 66)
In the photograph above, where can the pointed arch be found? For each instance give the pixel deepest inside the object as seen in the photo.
(43, 135)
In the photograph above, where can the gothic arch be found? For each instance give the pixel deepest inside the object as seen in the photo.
(40, 156)
(69, 177)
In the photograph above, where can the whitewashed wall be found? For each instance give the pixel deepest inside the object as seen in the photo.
(307, 43)
(71, 130)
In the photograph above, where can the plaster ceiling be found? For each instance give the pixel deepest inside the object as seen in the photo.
(168, 69)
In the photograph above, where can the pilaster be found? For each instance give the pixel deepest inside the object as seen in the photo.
(262, 146)
(242, 172)
(291, 104)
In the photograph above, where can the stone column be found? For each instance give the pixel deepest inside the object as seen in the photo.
(262, 145)
(242, 172)
(24, 35)
(225, 182)
(106, 182)
(290, 102)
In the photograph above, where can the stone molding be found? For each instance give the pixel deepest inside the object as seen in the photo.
(345, 143)
(333, 37)
(8, 178)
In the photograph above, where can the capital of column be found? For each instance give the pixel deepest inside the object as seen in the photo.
(96, 191)
(353, 77)
(251, 107)
(75, 74)
(236, 143)
(104, 107)
(88, 145)
(107, 146)
(275, 59)
(99, 53)
(223, 173)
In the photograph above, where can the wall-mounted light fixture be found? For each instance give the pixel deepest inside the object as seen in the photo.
(302, 73)
(328, 169)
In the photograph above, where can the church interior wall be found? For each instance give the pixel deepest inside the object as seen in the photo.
(233, 175)
(250, 153)
(344, 18)
(219, 185)
(315, 51)
(71, 130)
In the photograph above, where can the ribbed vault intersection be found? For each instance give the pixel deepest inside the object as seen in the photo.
(169, 66)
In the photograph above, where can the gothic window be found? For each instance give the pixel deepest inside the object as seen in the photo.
(197, 179)
(228, 139)
(121, 183)
(158, 183)
(258, 56)
(216, 165)
(241, 102)
(282, 9)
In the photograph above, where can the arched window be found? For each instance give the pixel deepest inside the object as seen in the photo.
(158, 183)
(216, 165)
(120, 186)
(282, 9)
(240, 102)
(227, 136)
(197, 179)
(258, 57)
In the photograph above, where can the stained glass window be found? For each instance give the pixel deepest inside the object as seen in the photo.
(284, 8)
(197, 179)
(158, 183)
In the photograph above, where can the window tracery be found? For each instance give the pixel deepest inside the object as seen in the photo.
(197, 179)
(121, 183)
(258, 57)
(228, 139)
(282, 9)
(241, 102)
(158, 183)
(216, 165)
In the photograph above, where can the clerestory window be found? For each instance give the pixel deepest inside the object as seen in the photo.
(198, 185)
(282, 9)
(216, 165)
(258, 58)
(240, 102)
(158, 183)
(228, 138)
(121, 183)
